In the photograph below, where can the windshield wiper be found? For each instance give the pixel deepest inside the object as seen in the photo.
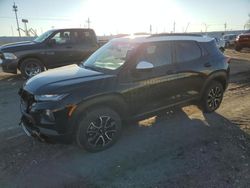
(89, 67)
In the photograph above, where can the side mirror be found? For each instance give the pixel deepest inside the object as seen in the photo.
(144, 65)
(52, 42)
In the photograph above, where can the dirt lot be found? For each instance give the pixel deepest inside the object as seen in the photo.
(181, 148)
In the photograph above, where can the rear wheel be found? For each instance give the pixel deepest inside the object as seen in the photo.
(212, 97)
(30, 67)
(99, 129)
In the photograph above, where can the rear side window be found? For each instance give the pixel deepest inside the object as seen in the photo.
(211, 48)
(62, 37)
(186, 51)
(158, 54)
(86, 37)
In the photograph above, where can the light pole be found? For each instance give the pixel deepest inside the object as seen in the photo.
(15, 10)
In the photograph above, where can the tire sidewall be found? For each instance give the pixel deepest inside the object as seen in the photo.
(204, 103)
(88, 117)
(27, 61)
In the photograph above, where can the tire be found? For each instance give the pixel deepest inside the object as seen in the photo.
(98, 129)
(31, 67)
(212, 97)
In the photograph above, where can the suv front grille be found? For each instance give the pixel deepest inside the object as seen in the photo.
(27, 100)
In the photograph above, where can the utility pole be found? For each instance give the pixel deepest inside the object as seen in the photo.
(88, 22)
(15, 10)
(150, 29)
(174, 27)
(225, 26)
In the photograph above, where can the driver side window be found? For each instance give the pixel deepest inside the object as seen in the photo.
(62, 37)
(159, 54)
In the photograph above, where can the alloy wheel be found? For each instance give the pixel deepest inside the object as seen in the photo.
(214, 98)
(101, 131)
(32, 68)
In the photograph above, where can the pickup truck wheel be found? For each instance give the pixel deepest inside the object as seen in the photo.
(99, 129)
(212, 97)
(30, 67)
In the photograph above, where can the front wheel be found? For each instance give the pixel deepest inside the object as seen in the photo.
(31, 67)
(98, 129)
(212, 97)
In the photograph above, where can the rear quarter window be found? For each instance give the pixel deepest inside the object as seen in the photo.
(186, 51)
(210, 48)
(87, 36)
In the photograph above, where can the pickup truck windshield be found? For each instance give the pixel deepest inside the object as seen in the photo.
(111, 56)
(43, 36)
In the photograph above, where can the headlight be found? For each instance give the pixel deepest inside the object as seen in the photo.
(9, 55)
(50, 97)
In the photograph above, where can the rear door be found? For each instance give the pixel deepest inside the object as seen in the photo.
(191, 68)
(85, 43)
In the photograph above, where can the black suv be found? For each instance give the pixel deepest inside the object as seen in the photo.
(53, 48)
(126, 78)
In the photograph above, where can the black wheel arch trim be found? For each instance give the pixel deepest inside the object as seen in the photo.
(220, 76)
(30, 57)
(114, 101)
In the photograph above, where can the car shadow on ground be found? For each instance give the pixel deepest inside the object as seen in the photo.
(178, 148)
(10, 80)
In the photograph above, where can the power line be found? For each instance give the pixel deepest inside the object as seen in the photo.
(34, 18)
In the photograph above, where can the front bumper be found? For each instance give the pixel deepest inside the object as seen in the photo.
(38, 123)
(42, 133)
(9, 66)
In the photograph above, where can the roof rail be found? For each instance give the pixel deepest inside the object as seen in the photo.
(175, 34)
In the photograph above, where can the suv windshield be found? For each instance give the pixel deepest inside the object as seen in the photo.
(43, 36)
(111, 56)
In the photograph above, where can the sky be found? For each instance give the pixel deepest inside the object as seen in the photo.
(126, 16)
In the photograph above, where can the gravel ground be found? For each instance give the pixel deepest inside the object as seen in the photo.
(180, 148)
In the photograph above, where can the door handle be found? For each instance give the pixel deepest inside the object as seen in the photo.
(207, 65)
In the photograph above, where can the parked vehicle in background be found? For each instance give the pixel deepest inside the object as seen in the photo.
(53, 48)
(242, 41)
(126, 78)
(229, 40)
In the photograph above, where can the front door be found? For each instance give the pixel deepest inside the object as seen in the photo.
(62, 52)
(150, 89)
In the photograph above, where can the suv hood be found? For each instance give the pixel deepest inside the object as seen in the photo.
(60, 77)
(12, 47)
